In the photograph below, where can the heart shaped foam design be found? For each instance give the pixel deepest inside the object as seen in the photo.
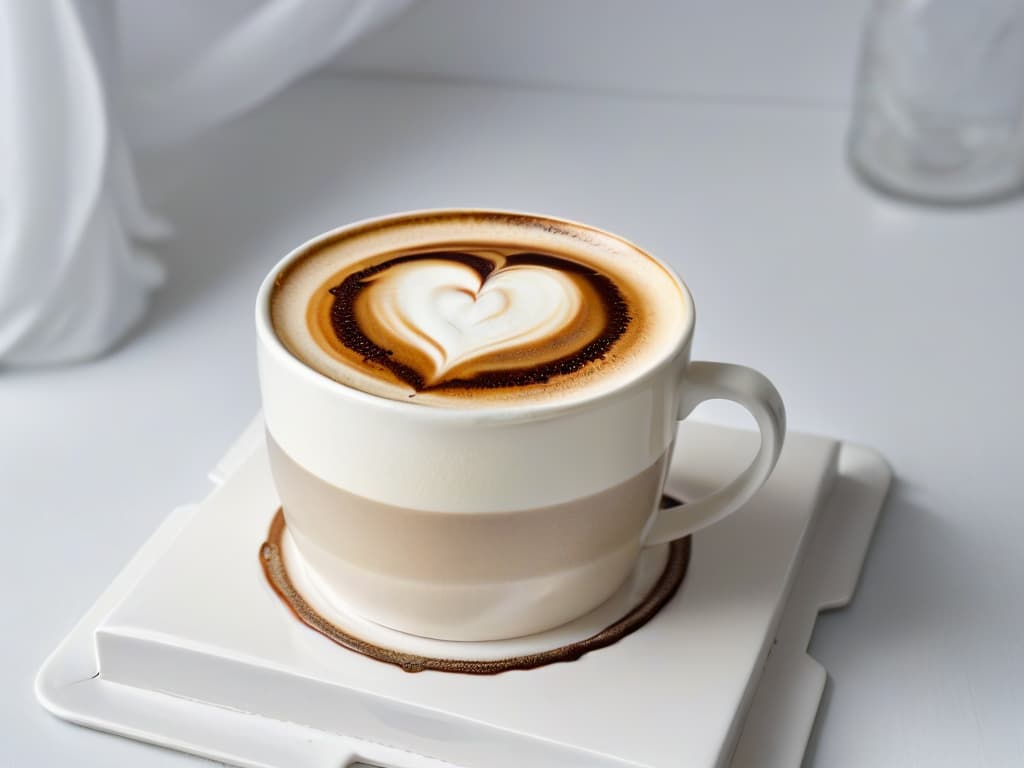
(445, 311)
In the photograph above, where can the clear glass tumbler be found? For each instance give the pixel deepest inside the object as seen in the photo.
(939, 108)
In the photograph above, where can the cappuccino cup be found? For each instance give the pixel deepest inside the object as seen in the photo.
(470, 415)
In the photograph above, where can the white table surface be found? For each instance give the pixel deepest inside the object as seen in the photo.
(896, 326)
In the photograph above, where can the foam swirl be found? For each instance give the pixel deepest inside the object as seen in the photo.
(456, 319)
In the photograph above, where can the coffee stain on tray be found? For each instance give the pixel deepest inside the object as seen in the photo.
(272, 561)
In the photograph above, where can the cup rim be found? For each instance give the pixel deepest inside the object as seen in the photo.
(270, 341)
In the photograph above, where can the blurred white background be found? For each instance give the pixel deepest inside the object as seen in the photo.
(710, 133)
(791, 51)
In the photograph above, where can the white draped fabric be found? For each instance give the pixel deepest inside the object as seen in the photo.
(77, 94)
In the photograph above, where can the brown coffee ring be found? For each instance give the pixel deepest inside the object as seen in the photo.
(657, 597)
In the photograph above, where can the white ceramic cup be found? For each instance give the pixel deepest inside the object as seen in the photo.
(489, 522)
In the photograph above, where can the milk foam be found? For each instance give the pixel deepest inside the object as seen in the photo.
(452, 328)
(446, 312)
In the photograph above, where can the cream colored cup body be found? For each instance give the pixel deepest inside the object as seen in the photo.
(474, 524)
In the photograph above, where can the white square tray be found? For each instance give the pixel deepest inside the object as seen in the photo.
(189, 647)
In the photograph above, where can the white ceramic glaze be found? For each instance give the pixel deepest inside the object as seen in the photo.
(477, 500)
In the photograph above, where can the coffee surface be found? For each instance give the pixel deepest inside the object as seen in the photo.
(477, 308)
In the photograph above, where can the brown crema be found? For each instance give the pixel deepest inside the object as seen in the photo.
(478, 308)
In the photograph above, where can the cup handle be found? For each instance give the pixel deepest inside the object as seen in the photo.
(723, 381)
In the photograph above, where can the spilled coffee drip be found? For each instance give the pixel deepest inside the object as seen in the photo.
(477, 320)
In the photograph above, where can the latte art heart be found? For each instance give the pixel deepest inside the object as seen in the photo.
(469, 320)
(447, 313)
